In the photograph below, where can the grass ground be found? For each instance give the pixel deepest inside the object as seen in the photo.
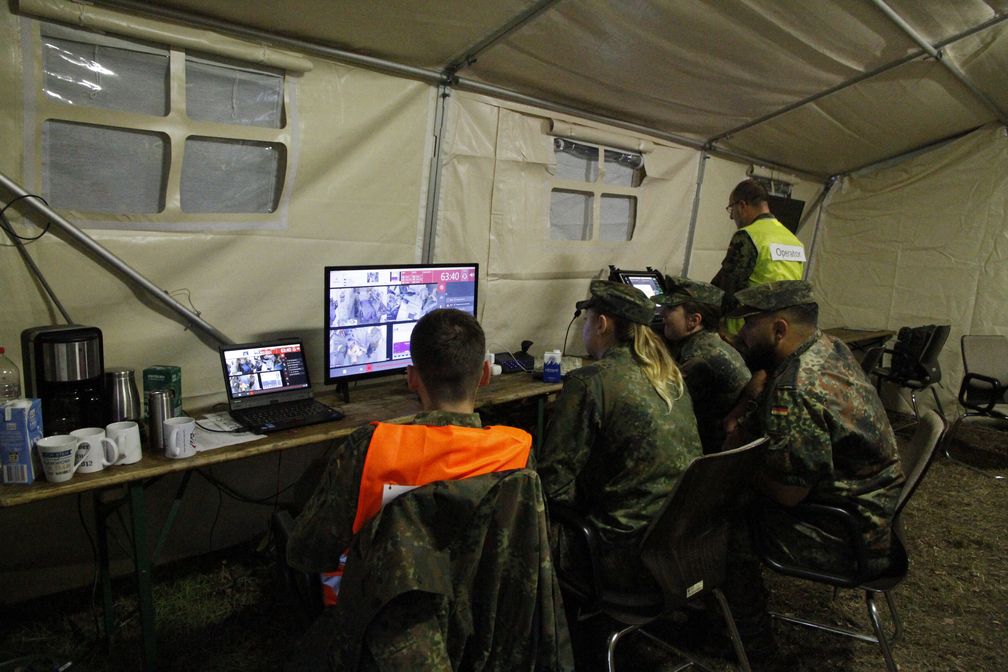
(230, 612)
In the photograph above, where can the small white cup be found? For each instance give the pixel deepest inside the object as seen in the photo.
(59, 456)
(179, 437)
(98, 451)
(126, 435)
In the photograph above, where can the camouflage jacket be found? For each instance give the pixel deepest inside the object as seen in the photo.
(613, 449)
(715, 373)
(455, 575)
(324, 528)
(829, 432)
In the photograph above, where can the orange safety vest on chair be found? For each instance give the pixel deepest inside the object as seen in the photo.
(415, 455)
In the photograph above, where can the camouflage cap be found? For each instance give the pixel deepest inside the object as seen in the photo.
(771, 296)
(615, 298)
(679, 290)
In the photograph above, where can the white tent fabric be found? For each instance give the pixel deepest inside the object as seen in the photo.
(926, 240)
(820, 87)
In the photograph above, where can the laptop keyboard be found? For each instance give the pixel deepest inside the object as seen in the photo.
(290, 413)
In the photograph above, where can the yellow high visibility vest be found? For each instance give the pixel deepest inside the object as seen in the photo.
(780, 256)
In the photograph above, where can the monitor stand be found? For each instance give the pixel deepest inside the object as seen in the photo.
(343, 389)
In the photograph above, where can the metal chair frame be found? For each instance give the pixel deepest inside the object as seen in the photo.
(926, 441)
(979, 396)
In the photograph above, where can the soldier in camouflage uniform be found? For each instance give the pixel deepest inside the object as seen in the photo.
(714, 371)
(622, 430)
(448, 349)
(830, 443)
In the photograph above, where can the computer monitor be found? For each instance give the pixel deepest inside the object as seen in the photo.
(370, 312)
(788, 211)
(650, 281)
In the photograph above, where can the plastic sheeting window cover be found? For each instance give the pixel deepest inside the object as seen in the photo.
(93, 167)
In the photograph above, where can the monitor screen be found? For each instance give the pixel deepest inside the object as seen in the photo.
(269, 367)
(650, 282)
(788, 211)
(370, 312)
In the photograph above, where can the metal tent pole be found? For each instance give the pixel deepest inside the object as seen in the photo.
(113, 262)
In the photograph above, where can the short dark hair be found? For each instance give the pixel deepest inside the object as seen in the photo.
(750, 191)
(803, 313)
(710, 315)
(448, 347)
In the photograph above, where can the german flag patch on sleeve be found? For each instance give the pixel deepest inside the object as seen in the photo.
(778, 410)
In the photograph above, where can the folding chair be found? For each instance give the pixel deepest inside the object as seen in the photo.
(983, 392)
(917, 458)
(684, 548)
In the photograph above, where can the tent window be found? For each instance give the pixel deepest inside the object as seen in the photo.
(233, 95)
(587, 175)
(576, 161)
(570, 215)
(102, 169)
(617, 217)
(190, 135)
(103, 76)
(220, 175)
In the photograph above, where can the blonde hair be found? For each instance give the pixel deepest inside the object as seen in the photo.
(654, 359)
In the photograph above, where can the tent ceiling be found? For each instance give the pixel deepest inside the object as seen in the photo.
(819, 87)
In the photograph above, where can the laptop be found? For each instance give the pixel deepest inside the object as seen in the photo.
(268, 388)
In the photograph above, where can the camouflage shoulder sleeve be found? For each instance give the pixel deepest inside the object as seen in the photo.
(738, 264)
(568, 441)
(800, 452)
(324, 528)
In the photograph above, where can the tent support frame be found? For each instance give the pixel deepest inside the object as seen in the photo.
(114, 263)
(939, 56)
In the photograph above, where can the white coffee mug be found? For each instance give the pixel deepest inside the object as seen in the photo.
(126, 435)
(98, 451)
(59, 456)
(179, 437)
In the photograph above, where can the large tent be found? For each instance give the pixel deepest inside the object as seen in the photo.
(426, 132)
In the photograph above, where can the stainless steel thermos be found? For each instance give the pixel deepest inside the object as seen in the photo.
(160, 407)
(122, 398)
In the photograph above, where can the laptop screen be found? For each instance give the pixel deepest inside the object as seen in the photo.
(264, 370)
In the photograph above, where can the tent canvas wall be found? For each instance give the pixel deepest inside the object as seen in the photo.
(428, 134)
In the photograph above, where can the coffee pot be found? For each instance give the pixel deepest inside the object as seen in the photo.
(63, 367)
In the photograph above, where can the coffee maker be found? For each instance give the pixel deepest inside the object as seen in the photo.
(64, 367)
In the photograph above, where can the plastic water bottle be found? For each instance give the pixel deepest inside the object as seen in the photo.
(10, 378)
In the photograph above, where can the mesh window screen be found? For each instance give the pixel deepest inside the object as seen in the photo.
(103, 169)
(233, 95)
(220, 175)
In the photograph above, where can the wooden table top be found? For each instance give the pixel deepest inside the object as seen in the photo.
(388, 400)
(859, 337)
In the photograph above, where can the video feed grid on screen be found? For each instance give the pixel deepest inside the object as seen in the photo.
(265, 369)
(372, 312)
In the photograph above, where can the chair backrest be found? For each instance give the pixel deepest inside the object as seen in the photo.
(929, 358)
(476, 549)
(685, 545)
(916, 350)
(988, 356)
(918, 454)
